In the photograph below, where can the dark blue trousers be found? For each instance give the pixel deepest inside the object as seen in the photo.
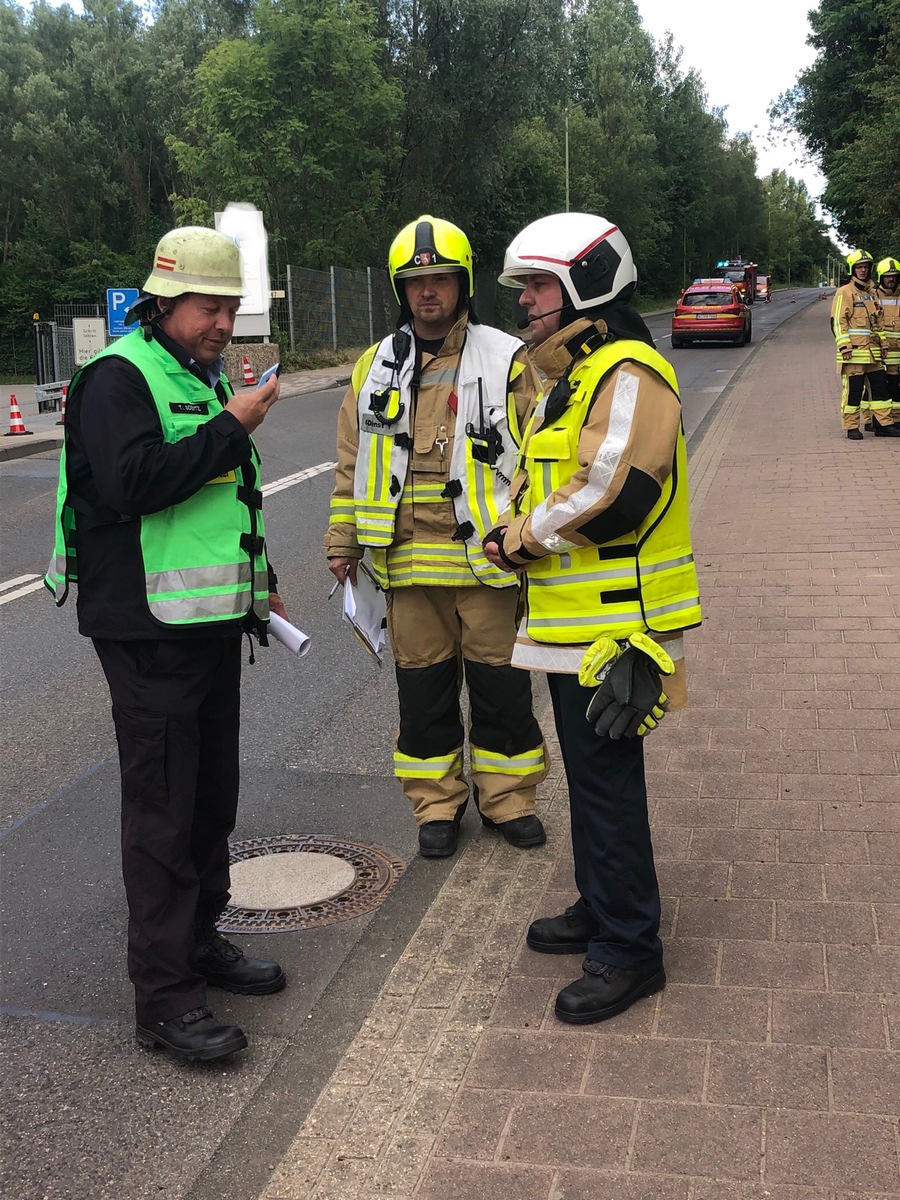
(614, 870)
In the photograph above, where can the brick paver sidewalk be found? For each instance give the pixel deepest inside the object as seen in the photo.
(769, 1069)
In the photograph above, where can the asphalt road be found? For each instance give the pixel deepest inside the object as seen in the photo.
(86, 1115)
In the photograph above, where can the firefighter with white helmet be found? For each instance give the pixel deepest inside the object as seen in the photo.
(598, 524)
(856, 319)
(888, 293)
(427, 439)
(159, 489)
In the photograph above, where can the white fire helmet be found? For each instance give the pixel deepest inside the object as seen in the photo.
(588, 254)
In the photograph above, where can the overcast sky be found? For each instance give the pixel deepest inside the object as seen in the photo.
(747, 55)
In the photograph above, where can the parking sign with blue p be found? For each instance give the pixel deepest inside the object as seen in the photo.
(118, 302)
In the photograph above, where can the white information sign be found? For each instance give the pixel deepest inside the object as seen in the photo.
(89, 334)
(244, 223)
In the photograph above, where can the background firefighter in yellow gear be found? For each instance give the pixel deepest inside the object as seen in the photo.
(888, 292)
(856, 323)
(427, 439)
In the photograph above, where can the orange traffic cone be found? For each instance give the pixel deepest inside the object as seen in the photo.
(249, 377)
(62, 410)
(16, 424)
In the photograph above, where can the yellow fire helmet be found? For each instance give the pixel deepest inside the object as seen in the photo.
(855, 257)
(195, 259)
(427, 245)
(887, 266)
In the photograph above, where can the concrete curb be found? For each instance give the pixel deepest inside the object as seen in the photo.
(22, 449)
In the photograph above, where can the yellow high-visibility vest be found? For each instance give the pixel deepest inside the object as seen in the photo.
(643, 581)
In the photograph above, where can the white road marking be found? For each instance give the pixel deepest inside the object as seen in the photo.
(32, 587)
(278, 485)
(11, 583)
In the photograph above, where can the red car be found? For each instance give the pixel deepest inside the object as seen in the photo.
(763, 288)
(711, 310)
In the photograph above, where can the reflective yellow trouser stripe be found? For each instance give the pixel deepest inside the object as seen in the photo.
(530, 763)
(406, 767)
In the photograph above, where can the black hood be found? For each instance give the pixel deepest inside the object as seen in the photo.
(622, 320)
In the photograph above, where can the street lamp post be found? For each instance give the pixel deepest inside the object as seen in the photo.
(567, 158)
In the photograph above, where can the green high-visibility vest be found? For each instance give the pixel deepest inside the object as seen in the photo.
(204, 559)
(643, 581)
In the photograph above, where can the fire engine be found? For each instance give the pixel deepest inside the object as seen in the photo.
(741, 272)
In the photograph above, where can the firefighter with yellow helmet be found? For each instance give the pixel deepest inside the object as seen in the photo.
(888, 293)
(599, 526)
(428, 434)
(159, 494)
(856, 319)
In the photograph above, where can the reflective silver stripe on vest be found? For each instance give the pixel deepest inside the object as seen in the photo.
(587, 620)
(668, 564)
(659, 610)
(546, 520)
(59, 565)
(604, 619)
(199, 608)
(583, 577)
(189, 579)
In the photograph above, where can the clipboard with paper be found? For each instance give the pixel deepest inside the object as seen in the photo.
(365, 611)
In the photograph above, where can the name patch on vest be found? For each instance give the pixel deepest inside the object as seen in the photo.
(200, 407)
(228, 477)
(369, 423)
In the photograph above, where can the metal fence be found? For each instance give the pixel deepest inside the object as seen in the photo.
(343, 308)
(334, 309)
(62, 336)
(337, 309)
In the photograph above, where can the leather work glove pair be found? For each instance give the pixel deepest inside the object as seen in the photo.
(629, 701)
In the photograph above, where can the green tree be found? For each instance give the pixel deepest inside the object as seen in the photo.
(846, 107)
(297, 120)
(470, 73)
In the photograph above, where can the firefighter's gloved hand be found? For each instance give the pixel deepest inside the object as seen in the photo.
(629, 701)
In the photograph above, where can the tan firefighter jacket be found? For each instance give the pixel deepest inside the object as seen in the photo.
(890, 325)
(425, 546)
(856, 322)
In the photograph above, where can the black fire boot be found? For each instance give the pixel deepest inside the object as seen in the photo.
(225, 966)
(439, 839)
(195, 1036)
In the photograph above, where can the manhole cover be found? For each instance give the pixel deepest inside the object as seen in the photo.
(289, 880)
(295, 881)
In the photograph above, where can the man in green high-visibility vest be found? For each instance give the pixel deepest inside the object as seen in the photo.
(159, 521)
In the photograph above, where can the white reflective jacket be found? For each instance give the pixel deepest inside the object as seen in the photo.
(478, 489)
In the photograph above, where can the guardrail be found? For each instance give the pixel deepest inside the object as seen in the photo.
(49, 396)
